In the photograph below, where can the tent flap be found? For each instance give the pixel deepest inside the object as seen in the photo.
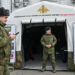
(39, 20)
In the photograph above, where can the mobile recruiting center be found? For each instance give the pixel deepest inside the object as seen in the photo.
(30, 22)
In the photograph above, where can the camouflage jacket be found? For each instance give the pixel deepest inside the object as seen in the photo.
(5, 43)
(48, 39)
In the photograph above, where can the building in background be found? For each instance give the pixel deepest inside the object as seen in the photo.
(16, 4)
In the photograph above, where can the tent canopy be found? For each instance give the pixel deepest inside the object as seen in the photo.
(47, 11)
(42, 10)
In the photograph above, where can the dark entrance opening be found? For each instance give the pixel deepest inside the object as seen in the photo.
(32, 49)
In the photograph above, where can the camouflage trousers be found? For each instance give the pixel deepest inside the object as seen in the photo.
(51, 57)
(4, 70)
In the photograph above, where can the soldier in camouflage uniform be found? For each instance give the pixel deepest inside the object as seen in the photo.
(5, 43)
(48, 41)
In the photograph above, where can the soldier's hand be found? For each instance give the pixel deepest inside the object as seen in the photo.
(13, 36)
(48, 46)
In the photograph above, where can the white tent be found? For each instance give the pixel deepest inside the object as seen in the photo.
(47, 11)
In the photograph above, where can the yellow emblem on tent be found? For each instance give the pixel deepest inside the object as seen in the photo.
(43, 9)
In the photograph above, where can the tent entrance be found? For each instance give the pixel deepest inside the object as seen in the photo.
(32, 49)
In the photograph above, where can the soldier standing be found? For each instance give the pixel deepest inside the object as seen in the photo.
(5, 42)
(48, 41)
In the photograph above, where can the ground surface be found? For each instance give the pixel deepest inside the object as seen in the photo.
(38, 72)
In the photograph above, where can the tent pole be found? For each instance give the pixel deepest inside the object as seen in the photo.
(30, 21)
(43, 21)
(55, 21)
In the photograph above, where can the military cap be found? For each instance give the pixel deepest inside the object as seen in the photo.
(4, 12)
(47, 28)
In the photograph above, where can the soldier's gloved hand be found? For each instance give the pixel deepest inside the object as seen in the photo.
(48, 46)
(13, 36)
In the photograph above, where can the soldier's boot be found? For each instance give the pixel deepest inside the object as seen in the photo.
(43, 69)
(54, 70)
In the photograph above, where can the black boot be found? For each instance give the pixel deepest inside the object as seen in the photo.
(54, 70)
(43, 69)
